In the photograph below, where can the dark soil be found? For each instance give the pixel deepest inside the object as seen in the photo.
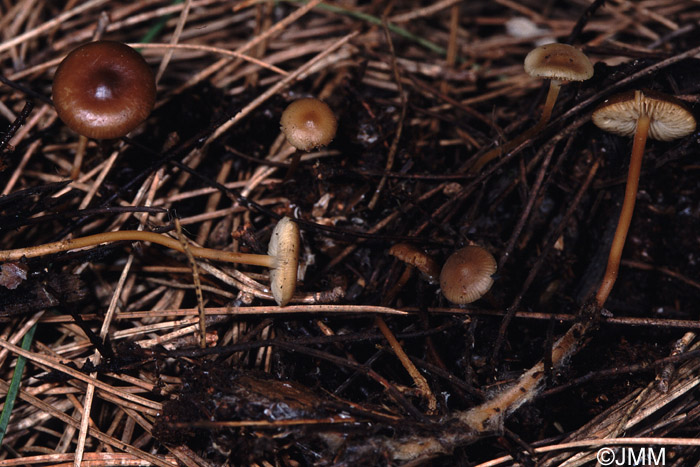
(317, 385)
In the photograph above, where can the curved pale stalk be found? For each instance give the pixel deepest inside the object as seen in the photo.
(554, 87)
(137, 235)
(623, 224)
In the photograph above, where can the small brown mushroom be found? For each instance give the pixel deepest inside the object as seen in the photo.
(466, 275)
(103, 90)
(560, 63)
(307, 123)
(411, 255)
(638, 113)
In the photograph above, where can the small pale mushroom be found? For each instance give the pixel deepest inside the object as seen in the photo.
(639, 114)
(560, 63)
(307, 123)
(284, 247)
(467, 274)
(282, 257)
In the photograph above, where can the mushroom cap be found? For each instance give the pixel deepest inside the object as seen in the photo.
(103, 90)
(466, 275)
(308, 123)
(558, 61)
(417, 258)
(284, 247)
(669, 118)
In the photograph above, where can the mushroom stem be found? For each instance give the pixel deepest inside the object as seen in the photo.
(623, 224)
(137, 235)
(293, 164)
(552, 94)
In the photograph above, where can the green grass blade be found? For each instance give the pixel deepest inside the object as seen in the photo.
(13, 391)
(378, 21)
(158, 27)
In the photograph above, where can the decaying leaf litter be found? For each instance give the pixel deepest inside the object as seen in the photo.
(421, 90)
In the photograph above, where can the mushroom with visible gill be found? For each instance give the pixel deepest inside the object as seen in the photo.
(282, 257)
(639, 114)
(561, 63)
(284, 248)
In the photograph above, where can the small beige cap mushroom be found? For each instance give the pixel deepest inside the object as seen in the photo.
(308, 123)
(669, 118)
(466, 275)
(559, 62)
(284, 247)
(409, 254)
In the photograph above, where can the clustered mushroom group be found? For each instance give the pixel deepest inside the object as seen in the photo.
(105, 89)
(638, 113)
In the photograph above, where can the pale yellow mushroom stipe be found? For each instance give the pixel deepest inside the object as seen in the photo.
(282, 258)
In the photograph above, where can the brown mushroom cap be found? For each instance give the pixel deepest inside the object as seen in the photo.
(103, 90)
(669, 118)
(308, 123)
(417, 258)
(466, 275)
(284, 247)
(558, 61)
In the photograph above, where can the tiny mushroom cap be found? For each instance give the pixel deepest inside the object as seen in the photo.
(284, 248)
(308, 123)
(466, 275)
(560, 62)
(103, 90)
(417, 258)
(669, 118)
